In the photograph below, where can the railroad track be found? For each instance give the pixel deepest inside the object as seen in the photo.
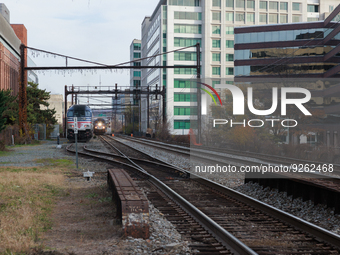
(236, 222)
(317, 187)
(230, 156)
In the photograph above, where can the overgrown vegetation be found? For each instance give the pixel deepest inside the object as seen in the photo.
(9, 111)
(28, 196)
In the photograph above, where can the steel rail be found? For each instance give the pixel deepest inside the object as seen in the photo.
(235, 157)
(223, 236)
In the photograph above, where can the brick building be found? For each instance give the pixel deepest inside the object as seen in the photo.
(11, 36)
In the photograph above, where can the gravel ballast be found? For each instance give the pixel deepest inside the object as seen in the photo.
(317, 214)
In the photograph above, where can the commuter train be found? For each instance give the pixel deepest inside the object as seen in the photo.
(84, 120)
(100, 126)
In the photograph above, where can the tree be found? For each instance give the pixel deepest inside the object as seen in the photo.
(12, 109)
(35, 98)
(3, 101)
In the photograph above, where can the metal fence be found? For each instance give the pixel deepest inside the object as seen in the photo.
(9, 135)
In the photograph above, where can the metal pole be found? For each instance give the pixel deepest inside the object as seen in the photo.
(22, 92)
(72, 95)
(148, 110)
(164, 105)
(76, 135)
(199, 106)
(133, 120)
(65, 116)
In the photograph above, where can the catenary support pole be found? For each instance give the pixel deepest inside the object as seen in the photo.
(199, 106)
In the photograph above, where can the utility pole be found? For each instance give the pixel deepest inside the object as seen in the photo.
(22, 92)
(199, 106)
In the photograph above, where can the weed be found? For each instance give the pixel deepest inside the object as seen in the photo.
(92, 195)
(105, 199)
(28, 196)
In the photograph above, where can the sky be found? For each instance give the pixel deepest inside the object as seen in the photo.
(95, 30)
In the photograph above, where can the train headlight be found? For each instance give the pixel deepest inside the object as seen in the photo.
(103, 126)
(95, 127)
(99, 124)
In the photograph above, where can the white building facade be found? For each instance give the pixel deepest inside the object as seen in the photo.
(135, 74)
(175, 24)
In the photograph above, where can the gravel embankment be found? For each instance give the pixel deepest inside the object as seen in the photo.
(316, 214)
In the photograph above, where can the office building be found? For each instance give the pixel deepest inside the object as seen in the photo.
(308, 52)
(179, 23)
(135, 74)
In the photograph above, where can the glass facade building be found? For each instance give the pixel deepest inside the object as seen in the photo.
(181, 23)
(296, 50)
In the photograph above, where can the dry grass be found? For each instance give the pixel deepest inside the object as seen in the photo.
(27, 197)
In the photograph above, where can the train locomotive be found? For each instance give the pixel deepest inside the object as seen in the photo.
(100, 126)
(84, 121)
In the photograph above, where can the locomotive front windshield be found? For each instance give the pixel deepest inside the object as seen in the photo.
(79, 113)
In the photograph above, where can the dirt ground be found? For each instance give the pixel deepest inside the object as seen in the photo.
(83, 220)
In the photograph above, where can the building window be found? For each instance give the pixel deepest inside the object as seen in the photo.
(263, 5)
(190, 71)
(229, 57)
(250, 17)
(216, 3)
(229, 71)
(284, 6)
(188, 15)
(185, 124)
(180, 110)
(251, 4)
(216, 57)
(184, 42)
(240, 4)
(229, 16)
(273, 6)
(229, 3)
(283, 18)
(312, 19)
(216, 16)
(185, 97)
(273, 18)
(216, 30)
(331, 8)
(184, 84)
(185, 56)
(312, 8)
(213, 83)
(136, 73)
(136, 46)
(239, 16)
(216, 43)
(136, 83)
(216, 70)
(296, 7)
(229, 30)
(296, 18)
(187, 29)
(185, 2)
(230, 43)
(136, 63)
(136, 55)
(263, 18)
